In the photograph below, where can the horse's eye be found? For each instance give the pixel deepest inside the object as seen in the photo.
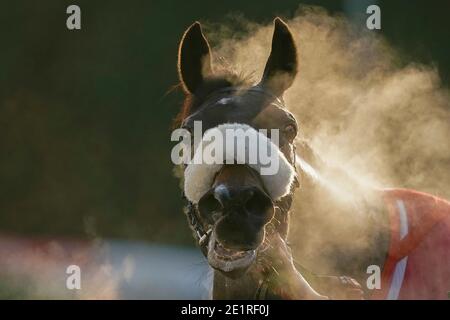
(290, 131)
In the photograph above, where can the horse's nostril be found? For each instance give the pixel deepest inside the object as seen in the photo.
(259, 204)
(248, 195)
(222, 194)
(209, 207)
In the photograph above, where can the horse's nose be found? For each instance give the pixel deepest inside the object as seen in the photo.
(234, 197)
(246, 199)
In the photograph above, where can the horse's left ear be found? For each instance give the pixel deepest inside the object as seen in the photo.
(281, 67)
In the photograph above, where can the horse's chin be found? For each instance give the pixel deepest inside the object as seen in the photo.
(232, 263)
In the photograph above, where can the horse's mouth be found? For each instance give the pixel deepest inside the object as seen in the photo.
(231, 262)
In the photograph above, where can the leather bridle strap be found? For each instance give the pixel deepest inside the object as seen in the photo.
(277, 100)
(200, 234)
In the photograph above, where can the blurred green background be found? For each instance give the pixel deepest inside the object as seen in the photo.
(85, 115)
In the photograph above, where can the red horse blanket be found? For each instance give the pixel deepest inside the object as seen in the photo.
(418, 261)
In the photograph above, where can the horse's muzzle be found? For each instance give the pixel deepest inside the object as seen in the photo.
(237, 209)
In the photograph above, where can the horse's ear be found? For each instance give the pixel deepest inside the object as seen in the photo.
(194, 58)
(281, 67)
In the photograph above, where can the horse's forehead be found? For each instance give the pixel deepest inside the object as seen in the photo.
(242, 108)
(227, 100)
(239, 100)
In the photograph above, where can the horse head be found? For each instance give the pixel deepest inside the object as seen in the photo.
(234, 205)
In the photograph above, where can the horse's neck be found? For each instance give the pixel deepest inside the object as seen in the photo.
(341, 223)
(225, 288)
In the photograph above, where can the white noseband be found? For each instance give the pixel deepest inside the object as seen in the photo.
(198, 177)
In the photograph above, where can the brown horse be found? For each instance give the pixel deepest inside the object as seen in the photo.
(239, 217)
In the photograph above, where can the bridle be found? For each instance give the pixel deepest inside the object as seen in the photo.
(278, 101)
(282, 206)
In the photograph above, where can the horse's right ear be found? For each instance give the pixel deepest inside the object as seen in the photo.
(194, 58)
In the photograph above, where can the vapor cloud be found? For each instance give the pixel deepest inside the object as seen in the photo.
(384, 121)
